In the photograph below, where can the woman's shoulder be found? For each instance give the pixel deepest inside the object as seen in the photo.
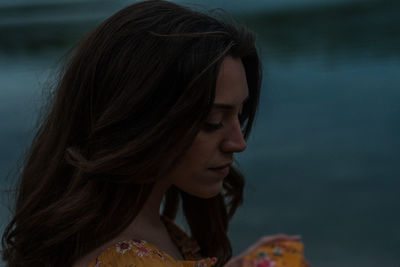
(141, 253)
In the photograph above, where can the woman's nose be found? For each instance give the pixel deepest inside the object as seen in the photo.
(234, 141)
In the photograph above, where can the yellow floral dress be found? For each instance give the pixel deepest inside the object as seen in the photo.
(140, 253)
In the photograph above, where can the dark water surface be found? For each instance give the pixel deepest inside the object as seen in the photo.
(323, 160)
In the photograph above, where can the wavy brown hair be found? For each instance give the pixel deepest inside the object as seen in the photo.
(130, 101)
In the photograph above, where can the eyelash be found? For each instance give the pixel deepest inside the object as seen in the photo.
(210, 127)
(216, 126)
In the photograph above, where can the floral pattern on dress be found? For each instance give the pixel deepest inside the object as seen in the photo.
(123, 246)
(151, 255)
(213, 260)
(206, 262)
(266, 262)
(158, 253)
(201, 263)
(142, 251)
(261, 259)
(282, 253)
(139, 243)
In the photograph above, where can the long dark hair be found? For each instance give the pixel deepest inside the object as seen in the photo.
(130, 101)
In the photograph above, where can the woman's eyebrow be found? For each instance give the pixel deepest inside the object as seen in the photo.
(227, 106)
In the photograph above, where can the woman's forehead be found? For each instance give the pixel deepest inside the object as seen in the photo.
(231, 88)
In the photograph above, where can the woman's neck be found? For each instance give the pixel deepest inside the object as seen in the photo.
(148, 225)
(148, 217)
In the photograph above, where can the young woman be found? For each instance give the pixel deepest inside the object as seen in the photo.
(148, 113)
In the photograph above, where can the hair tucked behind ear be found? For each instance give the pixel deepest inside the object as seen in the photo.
(102, 144)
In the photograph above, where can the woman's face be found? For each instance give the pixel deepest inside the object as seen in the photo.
(208, 160)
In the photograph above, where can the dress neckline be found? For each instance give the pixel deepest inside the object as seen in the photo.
(188, 247)
(144, 247)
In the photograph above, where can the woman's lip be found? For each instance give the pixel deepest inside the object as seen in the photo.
(223, 171)
(222, 166)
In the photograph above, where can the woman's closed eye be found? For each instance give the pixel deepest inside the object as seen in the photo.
(214, 121)
(209, 126)
(213, 126)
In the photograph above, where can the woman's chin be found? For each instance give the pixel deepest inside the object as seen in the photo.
(207, 193)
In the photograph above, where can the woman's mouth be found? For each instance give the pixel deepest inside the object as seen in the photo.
(222, 171)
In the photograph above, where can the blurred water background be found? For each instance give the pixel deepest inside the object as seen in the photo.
(323, 160)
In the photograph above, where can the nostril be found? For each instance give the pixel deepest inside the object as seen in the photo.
(244, 146)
